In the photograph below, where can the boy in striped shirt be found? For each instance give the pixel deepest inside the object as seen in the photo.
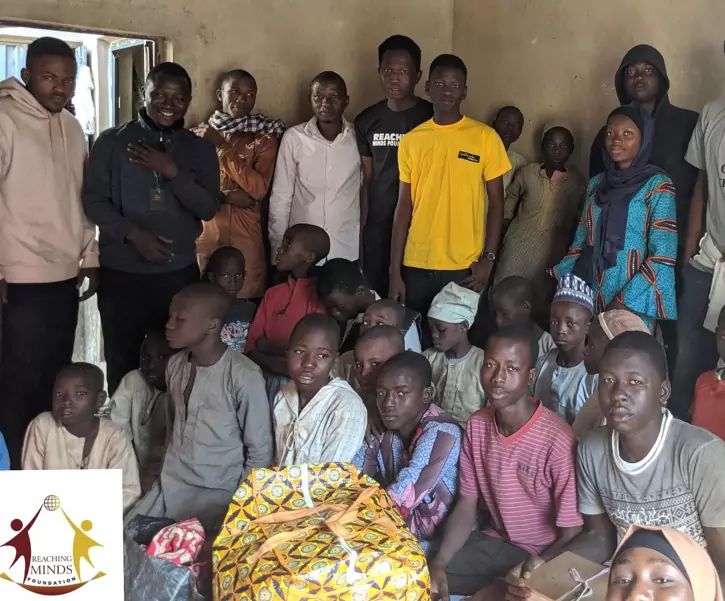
(518, 464)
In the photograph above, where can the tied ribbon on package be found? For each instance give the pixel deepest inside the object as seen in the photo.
(338, 516)
(323, 532)
(568, 577)
(584, 583)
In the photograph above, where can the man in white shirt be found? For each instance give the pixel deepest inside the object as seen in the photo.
(318, 175)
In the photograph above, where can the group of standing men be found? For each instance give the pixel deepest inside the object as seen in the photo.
(414, 189)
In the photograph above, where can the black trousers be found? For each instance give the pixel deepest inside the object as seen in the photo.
(696, 346)
(480, 561)
(376, 258)
(421, 286)
(38, 331)
(131, 304)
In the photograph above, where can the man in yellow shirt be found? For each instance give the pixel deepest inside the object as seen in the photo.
(448, 166)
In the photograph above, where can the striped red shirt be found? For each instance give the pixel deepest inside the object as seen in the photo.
(527, 481)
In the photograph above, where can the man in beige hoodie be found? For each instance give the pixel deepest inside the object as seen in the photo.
(47, 246)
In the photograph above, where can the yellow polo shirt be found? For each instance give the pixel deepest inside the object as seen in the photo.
(446, 167)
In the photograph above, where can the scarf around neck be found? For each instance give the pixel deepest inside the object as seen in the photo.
(253, 124)
(618, 186)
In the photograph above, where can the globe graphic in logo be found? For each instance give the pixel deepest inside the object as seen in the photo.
(51, 503)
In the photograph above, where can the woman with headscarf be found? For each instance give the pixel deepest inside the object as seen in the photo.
(626, 242)
(605, 327)
(661, 564)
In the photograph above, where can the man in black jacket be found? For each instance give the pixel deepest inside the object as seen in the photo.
(148, 186)
(642, 78)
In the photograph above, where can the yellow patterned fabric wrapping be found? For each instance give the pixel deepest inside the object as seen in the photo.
(315, 533)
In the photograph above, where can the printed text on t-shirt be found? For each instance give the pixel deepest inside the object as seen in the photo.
(467, 156)
(387, 139)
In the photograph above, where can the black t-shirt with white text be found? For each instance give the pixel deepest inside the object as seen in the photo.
(379, 130)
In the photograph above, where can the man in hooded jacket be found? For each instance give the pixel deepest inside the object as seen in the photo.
(642, 78)
(47, 246)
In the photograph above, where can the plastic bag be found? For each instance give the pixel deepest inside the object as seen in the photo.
(149, 578)
(143, 528)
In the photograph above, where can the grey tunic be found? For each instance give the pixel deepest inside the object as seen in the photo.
(225, 432)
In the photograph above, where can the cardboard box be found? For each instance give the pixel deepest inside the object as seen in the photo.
(569, 577)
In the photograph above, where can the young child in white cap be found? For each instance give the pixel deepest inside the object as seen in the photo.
(455, 362)
(562, 381)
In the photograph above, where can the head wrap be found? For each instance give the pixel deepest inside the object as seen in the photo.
(690, 558)
(575, 290)
(616, 322)
(655, 540)
(618, 186)
(455, 304)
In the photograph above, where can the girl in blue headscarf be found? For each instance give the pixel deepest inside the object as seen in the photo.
(626, 242)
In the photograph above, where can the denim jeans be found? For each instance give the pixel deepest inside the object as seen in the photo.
(697, 348)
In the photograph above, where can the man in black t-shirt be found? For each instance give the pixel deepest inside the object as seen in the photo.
(379, 129)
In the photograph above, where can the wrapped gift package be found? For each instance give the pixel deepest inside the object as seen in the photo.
(316, 532)
(569, 577)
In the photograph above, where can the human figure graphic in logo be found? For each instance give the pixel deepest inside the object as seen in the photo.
(82, 543)
(21, 542)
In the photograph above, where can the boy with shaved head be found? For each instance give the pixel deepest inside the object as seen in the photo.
(70, 436)
(385, 312)
(512, 301)
(222, 425)
(509, 123)
(318, 174)
(416, 459)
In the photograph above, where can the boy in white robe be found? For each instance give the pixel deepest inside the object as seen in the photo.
(141, 406)
(316, 419)
(72, 437)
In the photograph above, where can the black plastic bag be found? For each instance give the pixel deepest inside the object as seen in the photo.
(143, 528)
(149, 578)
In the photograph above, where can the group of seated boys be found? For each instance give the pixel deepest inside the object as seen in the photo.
(474, 446)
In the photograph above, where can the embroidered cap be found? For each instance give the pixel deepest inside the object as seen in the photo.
(455, 304)
(575, 290)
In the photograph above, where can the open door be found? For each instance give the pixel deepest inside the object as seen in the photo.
(131, 61)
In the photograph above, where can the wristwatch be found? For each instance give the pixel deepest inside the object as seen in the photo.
(489, 257)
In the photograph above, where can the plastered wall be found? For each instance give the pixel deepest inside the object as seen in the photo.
(556, 59)
(284, 43)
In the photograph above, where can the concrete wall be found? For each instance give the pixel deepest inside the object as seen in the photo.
(284, 43)
(556, 59)
(553, 58)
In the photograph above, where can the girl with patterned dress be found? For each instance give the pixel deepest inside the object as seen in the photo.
(626, 242)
